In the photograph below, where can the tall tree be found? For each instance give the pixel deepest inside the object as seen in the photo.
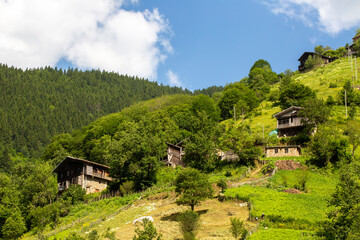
(193, 186)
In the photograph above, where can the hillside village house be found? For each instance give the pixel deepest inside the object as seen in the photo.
(306, 55)
(91, 176)
(351, 47)
(175, 154)
(283, 151)
(288, 122)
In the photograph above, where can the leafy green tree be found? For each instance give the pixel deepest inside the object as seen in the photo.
(241, 109)
(75, 193)
(206, 104)
(148, 233)
(237, 228)
(222, 184)
(309, 63)
(295, 94)
(319, 49)
(352, 110)
(93, 235)
(189, 224)
(353, 131)
(239, 140)
(351, 95)
(314, 112)
(345, 217)
(328, 146)
(127, 187)
(14, 226)
(261, 63)
(232, 94)
(193, 186)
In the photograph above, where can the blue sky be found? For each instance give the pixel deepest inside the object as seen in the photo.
(192, 44)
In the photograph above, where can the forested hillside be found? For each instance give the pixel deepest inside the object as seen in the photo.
(38, 104)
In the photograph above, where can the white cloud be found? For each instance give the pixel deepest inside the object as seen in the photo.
(89, 33)
(173, 79)
(331, 16)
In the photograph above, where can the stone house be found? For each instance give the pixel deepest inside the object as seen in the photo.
(91, 176)
(283, 151)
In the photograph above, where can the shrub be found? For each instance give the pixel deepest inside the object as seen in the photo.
(268, 168)
(189, 224)
(237, 228)
(127, 188)
(75, 192)
(333, 85)
(148, 233)
(222, 184)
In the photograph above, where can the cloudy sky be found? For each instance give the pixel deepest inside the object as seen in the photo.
(192, 44)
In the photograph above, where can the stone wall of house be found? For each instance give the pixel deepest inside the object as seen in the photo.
(94, 184)
(282, 152)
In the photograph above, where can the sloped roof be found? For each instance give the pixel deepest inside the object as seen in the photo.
(73, 159)
(306, 55)
(292, 108)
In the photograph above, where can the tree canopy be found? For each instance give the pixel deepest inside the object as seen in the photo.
(193, 187)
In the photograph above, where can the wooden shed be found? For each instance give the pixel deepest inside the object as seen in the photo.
(175, 153)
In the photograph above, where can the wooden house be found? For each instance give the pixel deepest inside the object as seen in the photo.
(306, 55)
(175, 153)
(283, 151)
(91, 176)
(289, 122)
(356, 38)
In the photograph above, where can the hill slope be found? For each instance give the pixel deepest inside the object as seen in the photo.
(38, 104)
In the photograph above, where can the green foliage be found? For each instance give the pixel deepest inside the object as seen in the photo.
(14, 226)
(39, 217)
(328, 146)
(222, 184)
(127, 187)
(282, 234)
(74, 236)
(93, 235)
(261, 63)
(232, 94)
(353, 131)
(315, 112)
(75, 193)
(239, 140)
(345, 218)
(303, 177)
(189, 224)
(330, 101)
(237, 228)
(268, 168)
(205, 103)
(41, 103)
(309, 63)
(148, 233)
(295, 94)
(352, 111)
(298, 211)
(351, 95)
(193, 186)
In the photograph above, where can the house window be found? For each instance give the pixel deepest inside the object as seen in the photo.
(276, 150)
(286, 150)
(292, 119)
